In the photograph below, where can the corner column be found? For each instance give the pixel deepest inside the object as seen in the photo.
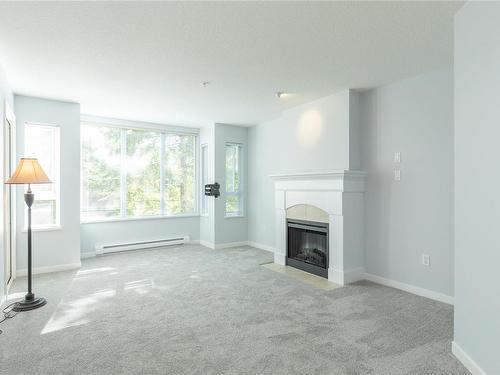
(280, 225)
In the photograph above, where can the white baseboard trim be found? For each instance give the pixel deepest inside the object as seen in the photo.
(410, 288)
(210, 245)
(336, 276)
(354, 274)
(87, 254)
(228, 245)
(49, 269)
(280, 259)
(218, 246)
(467, 361)
(260, 246)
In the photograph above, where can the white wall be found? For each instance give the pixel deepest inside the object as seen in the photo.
(311, 137)
(61, 246)
(207, 222)
(215, 228)
(112, 232)
(477, 183)
(406, 218)
(5, 95)
(230, 229)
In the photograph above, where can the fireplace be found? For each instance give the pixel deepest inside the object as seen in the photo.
(307, 246)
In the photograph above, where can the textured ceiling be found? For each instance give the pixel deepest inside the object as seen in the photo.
(147, 61)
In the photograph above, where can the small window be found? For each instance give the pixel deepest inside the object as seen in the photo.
(42, 142)
(234, 182)
(204, 179)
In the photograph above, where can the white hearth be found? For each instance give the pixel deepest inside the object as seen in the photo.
(340, 194)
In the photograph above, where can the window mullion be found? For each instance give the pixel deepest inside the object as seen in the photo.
(123, 173)
(162, 174)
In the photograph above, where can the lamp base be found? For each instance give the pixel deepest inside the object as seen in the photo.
(29, 304)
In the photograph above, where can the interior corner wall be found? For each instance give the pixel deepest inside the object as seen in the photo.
(354, 130)
(207, 221)
(5, 96)
(477, 186)
(405, 219)
(310, 137)
(229, 229)
(56, 248)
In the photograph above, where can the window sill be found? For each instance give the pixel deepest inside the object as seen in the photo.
(138, 218)
(233, 216)
(43, 229)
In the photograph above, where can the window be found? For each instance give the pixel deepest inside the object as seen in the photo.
(234, 184)
(204, 178)
(42, 142)
(180, 173)
(134, 173)
(143, 173)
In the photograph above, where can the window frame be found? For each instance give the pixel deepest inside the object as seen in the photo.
(204, 179)
(241, 190)
(163, 132)
(56, 179)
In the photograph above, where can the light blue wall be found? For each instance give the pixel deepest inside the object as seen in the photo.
(406, 218)
(61, 246)
(311, 137)
(229, 229)
(477, 183)
(207, 222)
(5, 96)
(113, 232)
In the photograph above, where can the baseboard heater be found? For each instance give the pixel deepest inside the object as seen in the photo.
(115, 248)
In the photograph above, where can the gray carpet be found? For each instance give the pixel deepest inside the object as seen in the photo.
(191, 310)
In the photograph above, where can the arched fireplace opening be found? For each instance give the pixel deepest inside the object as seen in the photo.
(307, 239)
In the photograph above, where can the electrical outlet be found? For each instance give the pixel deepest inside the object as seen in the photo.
(397, 157)
(426, 260)
(397, 175)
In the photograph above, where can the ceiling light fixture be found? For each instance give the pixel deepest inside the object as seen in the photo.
(205, 83)
(279, 94)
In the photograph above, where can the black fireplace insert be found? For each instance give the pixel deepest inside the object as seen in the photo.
(307, 246)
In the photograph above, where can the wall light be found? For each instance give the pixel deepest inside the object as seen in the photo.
(281, 94)
(309, 128)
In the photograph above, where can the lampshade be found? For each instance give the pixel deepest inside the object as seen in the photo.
(28, 171)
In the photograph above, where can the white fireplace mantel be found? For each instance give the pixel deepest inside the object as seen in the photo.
(340, 194)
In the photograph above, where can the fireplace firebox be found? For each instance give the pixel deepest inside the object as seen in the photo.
(307, 246)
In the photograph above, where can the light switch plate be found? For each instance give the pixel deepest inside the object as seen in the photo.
(397, 175)
(426, 260)
(397, 157)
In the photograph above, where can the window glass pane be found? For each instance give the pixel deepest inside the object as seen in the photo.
(180, 173)
(230, 168)
(101, 158)
(43, 213)
(42, 142)
(204, 178)
(232, 204)
(233, 179)
(143, 173)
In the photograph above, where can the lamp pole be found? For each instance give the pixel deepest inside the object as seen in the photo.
(29, 172)
(29, 198)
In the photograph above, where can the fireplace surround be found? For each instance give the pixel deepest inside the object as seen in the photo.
(332, 197)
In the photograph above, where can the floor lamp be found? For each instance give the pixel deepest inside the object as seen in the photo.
(29, 172)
